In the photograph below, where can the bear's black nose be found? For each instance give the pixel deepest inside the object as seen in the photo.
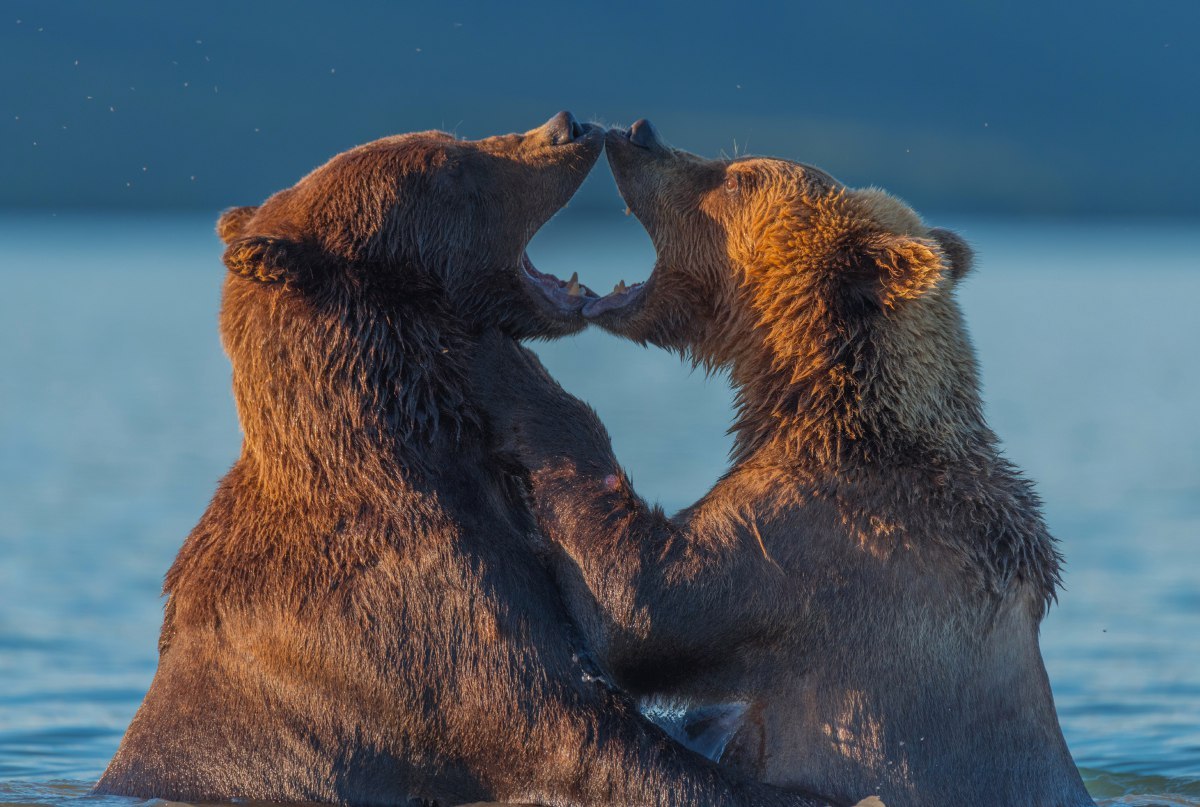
(642, 133)
(564, 128)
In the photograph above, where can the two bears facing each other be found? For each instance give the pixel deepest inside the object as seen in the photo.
(362, 615)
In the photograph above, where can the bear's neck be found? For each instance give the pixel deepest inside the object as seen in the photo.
(891, 431)
(341, 395)
(854, 397)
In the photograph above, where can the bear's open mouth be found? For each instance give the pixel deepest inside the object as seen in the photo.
(622, 296)
(568, 296)
(572, 297)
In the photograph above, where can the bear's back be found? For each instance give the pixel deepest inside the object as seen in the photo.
(329, 657)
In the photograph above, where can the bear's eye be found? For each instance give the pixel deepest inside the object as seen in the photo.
(732, 182)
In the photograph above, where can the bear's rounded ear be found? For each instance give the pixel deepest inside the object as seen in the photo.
(958, 252)
(903, 267)
(233, 221)
(263, 258)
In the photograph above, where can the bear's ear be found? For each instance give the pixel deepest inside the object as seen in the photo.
(263, 258)
(233, 221)
(900, 267)
(958, 252)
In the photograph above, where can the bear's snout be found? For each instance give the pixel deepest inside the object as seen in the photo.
(563, 128)
(643, 134)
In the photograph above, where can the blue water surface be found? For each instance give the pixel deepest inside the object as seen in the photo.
(116, 422)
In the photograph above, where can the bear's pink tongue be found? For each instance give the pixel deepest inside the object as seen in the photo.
(620, 297)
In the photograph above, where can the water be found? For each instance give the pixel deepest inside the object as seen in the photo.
(116, 422)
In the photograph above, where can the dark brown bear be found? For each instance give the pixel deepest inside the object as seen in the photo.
(362, 615)
(869, 576)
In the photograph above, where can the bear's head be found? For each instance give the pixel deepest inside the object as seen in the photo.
(428, 211)
(832, 308)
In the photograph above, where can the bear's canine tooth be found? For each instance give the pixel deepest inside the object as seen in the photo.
(573, 285)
